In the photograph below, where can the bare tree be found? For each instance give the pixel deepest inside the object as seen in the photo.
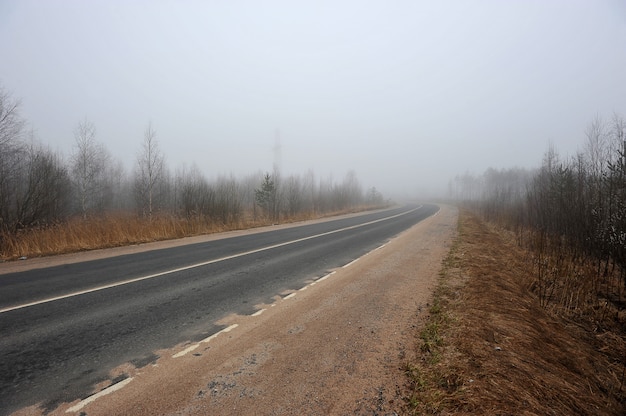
(89, 164)
(12, 151)
(352, 191)
(308, 191)
(293, 195)
(195, 197)
(11, 123)
(44, 194)
(228, 204)
(150, 164)
(597, 147)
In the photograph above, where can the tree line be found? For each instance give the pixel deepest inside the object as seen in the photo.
(572, 209)
(39, 187)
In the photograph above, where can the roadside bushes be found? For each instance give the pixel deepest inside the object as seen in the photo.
(572, 214)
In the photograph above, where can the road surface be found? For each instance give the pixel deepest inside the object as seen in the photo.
(63, 328)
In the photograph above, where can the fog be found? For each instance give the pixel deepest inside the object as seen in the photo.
(405, 93)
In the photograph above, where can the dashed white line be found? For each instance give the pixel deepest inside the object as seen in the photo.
(351, 263)
(207, 339)
(185, 351)
(104, 392)
(325, 277)
(260, 311)
(227, 329)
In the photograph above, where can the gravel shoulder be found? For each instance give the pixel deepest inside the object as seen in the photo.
(335, 347)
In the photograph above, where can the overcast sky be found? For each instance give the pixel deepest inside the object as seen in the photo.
(405, 93)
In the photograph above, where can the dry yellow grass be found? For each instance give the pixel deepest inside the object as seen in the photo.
(500, 352)
(108, 231)
(116, 230)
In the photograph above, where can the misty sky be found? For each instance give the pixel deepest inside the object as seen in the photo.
(405, 93)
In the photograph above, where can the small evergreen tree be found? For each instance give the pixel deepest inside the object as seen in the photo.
(265, 197)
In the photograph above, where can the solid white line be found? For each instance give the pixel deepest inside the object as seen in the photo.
(289, 296)
(104, 392)
(259, 312)
(204, 263)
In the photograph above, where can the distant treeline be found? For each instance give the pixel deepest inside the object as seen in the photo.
(39, 188)
(569, 209)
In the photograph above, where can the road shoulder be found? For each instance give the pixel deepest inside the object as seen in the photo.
(336, 347)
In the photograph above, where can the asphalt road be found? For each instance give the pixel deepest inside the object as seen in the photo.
(122, 309)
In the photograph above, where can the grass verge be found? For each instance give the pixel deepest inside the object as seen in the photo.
(489, 347)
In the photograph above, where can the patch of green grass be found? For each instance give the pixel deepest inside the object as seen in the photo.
(415, 375)
(425, 376)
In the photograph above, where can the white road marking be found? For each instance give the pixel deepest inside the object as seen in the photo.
(207, 339)
(196, 265)
(378, 248)
(227, 329)
(104, 392)
(260, 311)
(185, 351)
(325, 277)
(352, 262)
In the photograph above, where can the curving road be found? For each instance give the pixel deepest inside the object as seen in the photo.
(63, 328)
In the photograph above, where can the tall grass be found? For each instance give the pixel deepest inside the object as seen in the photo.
(573, 285)
(121, 229)
(108, 231)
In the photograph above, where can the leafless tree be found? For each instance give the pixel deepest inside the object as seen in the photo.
(11, 123)
(352, 191)
(308, 191)
(597, 146)
(150, 163)
(89, 164)
(12, 152)
(293, 195)
(228, 204)
(43, 197)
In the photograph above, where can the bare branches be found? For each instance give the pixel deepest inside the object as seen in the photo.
(89, 163)
(574, 213)
(38, 188)
(11, 123)
(150, 164)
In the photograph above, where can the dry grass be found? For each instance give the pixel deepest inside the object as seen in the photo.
(93, 233)
(501, 352)
(124, 229)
